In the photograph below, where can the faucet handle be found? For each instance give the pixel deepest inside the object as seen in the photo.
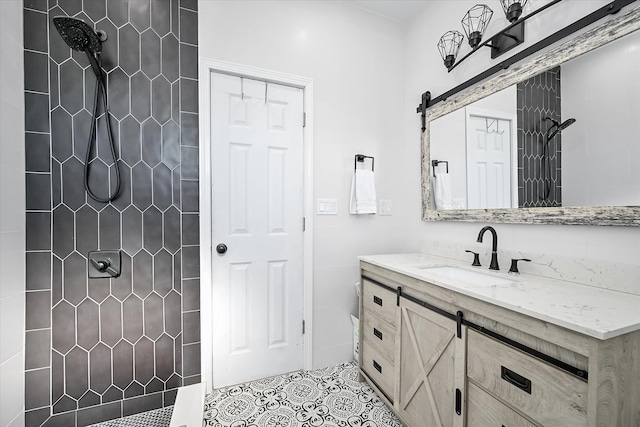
(514, 264)
(476, 258)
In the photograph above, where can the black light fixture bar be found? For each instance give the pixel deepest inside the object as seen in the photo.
(505, 33)
(610, 9)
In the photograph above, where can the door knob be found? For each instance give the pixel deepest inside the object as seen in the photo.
(221, 248)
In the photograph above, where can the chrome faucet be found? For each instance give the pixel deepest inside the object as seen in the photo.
(494, 248)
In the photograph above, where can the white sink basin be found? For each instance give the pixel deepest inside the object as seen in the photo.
(467, 276)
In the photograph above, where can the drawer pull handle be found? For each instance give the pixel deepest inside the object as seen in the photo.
(377, 300)
(377, 366)
(377, 333)
(517, 380)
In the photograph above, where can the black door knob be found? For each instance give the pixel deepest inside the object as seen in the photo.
(221, 248)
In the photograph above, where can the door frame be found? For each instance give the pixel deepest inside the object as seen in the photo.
(206, 67)
(502, 115)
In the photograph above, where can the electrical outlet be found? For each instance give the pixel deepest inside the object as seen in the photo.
(384, 207)
(327, 207)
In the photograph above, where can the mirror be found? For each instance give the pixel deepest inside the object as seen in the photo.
(555, 140)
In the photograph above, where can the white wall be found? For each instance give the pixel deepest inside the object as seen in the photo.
(356, 60)
(424, 71)
(12, 228)
(601, 153)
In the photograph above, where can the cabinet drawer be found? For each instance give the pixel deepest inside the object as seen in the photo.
(379, 334)
(485, 411)
(380, 301)
(379, 368)
(544, 393)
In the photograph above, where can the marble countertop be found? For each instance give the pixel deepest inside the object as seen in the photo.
(596, 312)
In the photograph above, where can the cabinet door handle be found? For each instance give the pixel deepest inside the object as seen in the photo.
(377, 300)
(377, 333)
(517, 380)
(377, 366)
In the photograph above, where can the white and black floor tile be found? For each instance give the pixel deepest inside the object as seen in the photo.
(329, 397)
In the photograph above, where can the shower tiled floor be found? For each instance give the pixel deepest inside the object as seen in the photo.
(329, 397)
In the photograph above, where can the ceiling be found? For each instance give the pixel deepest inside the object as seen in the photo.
(398, 10)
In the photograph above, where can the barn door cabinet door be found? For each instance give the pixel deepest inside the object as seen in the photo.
(431, 368)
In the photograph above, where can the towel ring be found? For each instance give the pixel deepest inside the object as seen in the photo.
(435, 163)
(360, 158)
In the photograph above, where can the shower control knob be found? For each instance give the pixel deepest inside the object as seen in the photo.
(221, 248)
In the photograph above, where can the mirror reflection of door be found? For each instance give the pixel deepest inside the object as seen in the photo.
(490, 154)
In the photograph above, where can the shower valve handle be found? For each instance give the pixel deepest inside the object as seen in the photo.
(104, 265)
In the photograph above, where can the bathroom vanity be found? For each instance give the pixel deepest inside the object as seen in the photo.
(447, 344)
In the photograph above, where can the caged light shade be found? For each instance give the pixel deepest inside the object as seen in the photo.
(513, 8)
(449, 46)
(475, 23)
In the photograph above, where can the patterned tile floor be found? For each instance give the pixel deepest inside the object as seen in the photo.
(157, 418)
(329, 397)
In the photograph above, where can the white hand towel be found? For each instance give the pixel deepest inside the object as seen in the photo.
(363, 193)
(442, 191)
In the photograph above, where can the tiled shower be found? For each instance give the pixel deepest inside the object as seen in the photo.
(98, 349)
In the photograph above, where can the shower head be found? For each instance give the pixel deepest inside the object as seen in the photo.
(79, 35)
(557, 127)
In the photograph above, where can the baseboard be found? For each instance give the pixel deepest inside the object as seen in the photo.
(189, 406)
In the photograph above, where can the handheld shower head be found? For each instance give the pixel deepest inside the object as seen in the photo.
(79, 35)
(557, 127)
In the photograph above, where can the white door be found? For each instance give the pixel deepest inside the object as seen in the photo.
(488, 163)
(257, 198)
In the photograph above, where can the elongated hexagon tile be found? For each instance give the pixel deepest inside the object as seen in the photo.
(140, 96)
(111, 321)
(172, 314)
(109, 228)
(121, 287)
(75, 278)
(100, 374)
(64, 404)
(71, 7)
(171, 144)
(155, 385)
(72, 183)
(153, 327)
(99, 289)
(96, 9)
(162, 189)
(164, 357)
(86, 229)
(133, 319)
(130, 140)
(112, 394)
(161, 17)
(89, 398)
(144, 366)
(142, 274)
(122, 364)
(141, 183)
(132, 230)
(129, 49)
(152, 229)
(118, 11)
(170, 58)
(134, 389)
(162, 272)
(63, 329)
(89, 318)
(98, 181)
(110, 47)
(161, 99)
(59, 51)
(61, 134)
(76, 372)
(140, 13)
(151, 143)
(171, 224)
(150, 53)
(81, 132)
(71, 87)
(118, 85)
(57, 375)
(63, 231)
(124, 196)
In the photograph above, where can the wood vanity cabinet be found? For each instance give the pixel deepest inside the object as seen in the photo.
(441, 358)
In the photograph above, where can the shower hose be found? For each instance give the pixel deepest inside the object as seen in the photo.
(96, 65)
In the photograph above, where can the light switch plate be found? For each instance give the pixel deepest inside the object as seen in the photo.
(327, 207)
(384, 207)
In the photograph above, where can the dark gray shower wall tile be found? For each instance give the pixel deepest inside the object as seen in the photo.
(189, 95)
(190, 262)
(37, 152)
(36, 112)
(175, 101)
(191, 327)
(170, 57)
(109, 228)
(140, 97)
(63, 330)
(177, 271)
(59, 51)
(190, 229)
(143, 355)
(118, 11)
(194, 379)
(118, 85)
(161, 17)
(190, 196)
(63, 231)
(75, 278)
(121, 287)
(98, 289)
(81, 131)
(71, 7)
(139, 14)
(86, 230)
(56, 280)
(152, 229)
(169, 397)
(72, 183)
(161, 99)
(99, 414)
(38, 191)
(36, 384)
(141, 186)
(40, 5)
(134, 389)
(57, 375)
(38, 271)
(150, 50)
(129, 52)
(100, 368)
(88, 317)
(153, 315)
(188, 26)
(151, 143)
(142, 274)
(89, 399)
(38, 230)
(132, 318)
(188, 61)
(36, 76)
(124, 196)
(164, 357)
(61, 420)
(109, 48)
(65, 404)
(61, 134)
(112, 394)
(76, 372)
(189, 4)
(37, 349)
(162, 187)
(175, 380)
(130, 140)
(190, 163)
(173, 314)
(191, 359)
(111, 321)
(171, 225)
(36, 417)
(154, 386)
(131, 230)
(36, 37)
(177, 190)
(189, 130)
(96, 9)
(71, 87)
(171, 144)
(38, 305)
(122, 364)
(191, 294)
(162, 272)
(142, 404)
(175, 17)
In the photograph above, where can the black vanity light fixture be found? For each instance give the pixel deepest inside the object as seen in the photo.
(513, 8)
(449, 46)
(475, 23)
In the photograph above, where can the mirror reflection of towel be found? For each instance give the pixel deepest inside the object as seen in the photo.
(363, 193)
(442, 191)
